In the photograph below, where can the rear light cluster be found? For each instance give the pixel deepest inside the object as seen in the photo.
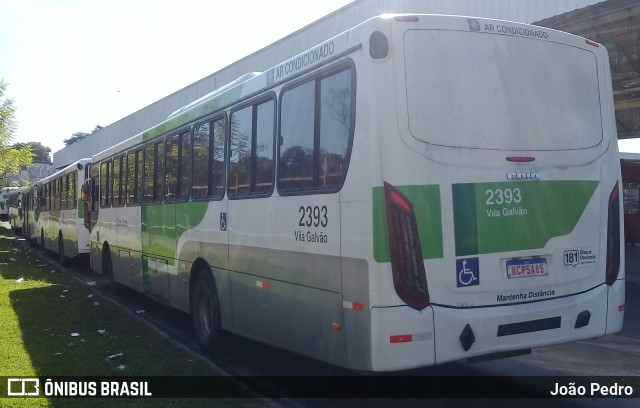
(613, 236)
(407, 265)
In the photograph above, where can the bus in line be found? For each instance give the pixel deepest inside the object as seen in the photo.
(15, 209)
(55, 212)
(416, 190)
(4, 202)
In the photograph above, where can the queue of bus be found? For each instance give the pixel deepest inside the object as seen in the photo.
(49, 212)
(377, 202)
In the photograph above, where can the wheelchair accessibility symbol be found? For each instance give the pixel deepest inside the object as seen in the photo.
(467, 272)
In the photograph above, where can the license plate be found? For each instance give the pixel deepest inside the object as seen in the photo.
(521, 268)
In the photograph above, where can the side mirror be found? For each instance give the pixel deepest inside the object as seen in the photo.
(85, 192)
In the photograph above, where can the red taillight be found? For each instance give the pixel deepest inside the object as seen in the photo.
(407, 265)
(613, 237)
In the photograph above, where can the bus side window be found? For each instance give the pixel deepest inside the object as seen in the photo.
(177, 150)
(106, 184)
(251, 143)
(118, 181)
(208, 166)
(316, 129)
(153, 172)
(134, 177)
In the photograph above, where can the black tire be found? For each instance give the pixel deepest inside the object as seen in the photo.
(205, 310)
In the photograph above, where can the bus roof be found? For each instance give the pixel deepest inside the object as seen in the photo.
(253, 83)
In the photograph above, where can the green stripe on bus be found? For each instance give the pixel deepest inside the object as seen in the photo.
(426, 204)
(162, 225)
(513, 216)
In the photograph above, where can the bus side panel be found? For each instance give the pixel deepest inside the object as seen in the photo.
(616, 302)
(129, 269)
(357, 312)
(284, 257)
(159, 248)
(105, 231)
(215, 255)
(68, 227)
(290, 316)
(402, 338)
(201, 235)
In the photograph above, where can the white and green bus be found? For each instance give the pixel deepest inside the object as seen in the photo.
(29, 206)
(4, 202)
(15, 209)
(417, 190)
(59, 213)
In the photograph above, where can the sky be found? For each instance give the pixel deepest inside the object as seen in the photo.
(73, 64)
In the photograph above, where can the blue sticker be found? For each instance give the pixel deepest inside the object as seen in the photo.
(467, 272)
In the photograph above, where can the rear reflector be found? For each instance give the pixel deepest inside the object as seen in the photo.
(401, 338)
(407, 264)
(613, 237)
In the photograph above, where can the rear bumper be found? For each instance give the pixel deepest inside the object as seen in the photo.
(441, 334)
(528, 325)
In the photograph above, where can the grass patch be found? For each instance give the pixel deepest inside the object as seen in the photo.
(51, 324)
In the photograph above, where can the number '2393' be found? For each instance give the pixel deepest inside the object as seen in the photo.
(316, 216)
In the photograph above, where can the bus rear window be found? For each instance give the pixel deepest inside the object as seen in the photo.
(500, 92)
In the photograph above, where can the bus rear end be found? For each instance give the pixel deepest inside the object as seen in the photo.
(496, 223)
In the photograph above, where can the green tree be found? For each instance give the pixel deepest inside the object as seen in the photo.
(7, 116)
(76, 137)
(41, 153)
(11, 159)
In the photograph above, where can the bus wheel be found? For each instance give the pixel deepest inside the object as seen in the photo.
(63, 259)
(206, 313)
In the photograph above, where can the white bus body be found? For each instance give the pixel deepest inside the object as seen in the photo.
(59, 213)
(15, 209)
(29, 206)
(417, 190)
